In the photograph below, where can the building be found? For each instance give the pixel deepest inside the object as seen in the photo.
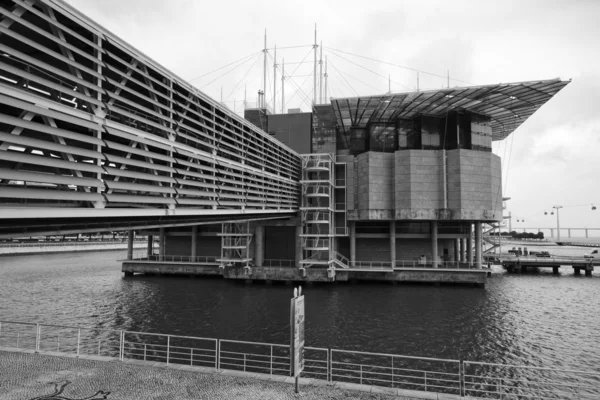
(401, 178)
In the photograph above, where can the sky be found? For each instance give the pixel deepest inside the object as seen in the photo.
(552, 159)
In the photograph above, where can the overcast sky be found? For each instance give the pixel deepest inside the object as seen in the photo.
(552, 159)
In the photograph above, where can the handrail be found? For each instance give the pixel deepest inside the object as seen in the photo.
(378, 369)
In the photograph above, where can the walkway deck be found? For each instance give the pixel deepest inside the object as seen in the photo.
(28, 375)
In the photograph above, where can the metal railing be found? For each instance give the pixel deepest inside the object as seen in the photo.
(399, 264)
(523, 382)
(374, 265)
(464, 378)
(341, 260)
(143, 256)
(391, 370)
(440, 264)
(278, 263)
(70, 243)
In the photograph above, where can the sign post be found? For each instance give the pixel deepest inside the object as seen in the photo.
(297, 335)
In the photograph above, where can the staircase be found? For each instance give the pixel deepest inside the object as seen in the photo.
(317, 210)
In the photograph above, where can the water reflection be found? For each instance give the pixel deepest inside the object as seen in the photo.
(536, 319)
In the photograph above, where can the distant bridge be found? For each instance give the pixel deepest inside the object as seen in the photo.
(551, 232)
(95, 136)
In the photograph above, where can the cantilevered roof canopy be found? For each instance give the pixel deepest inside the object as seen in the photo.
(507, 104)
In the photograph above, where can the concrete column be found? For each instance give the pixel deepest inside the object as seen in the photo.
(434, 243)
(150, 248)
(259, 245)
(470, 246)
(478, 245)
(193, 242)
(352, 242)
(130, 245)
(298, 245)
(161, 245)
(456, 250)
(393, 243)
(463, 249)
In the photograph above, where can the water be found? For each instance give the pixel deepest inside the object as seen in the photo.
(535, 319)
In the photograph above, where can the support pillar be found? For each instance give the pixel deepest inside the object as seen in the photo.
(298, 245)
(150, 249)
(434, 243)
(478, 245)
(393, 243)
(130, 245)
(352, 243)
(586, 233)
(193, 243)
(463, 249)
(470, 247)
(555, 270)
(161, 245)
(259, 245)
(456, 250)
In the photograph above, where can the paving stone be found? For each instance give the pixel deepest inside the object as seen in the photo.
(27, 376)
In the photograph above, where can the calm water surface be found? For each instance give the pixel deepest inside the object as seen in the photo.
(534, 319)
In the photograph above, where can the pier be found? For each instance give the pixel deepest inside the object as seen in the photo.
(282, 271)
(520, 264)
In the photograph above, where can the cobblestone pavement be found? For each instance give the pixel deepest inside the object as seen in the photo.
(26, 376)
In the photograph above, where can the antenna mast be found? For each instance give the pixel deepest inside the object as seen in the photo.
(321, 75)
(283, 86)
(264, 71)
(326, 78)
(275, 79)
(315, 69)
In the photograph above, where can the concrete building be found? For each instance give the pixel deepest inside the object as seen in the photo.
(404, 177)
(394, 182)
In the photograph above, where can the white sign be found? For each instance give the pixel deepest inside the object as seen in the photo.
(297, 339)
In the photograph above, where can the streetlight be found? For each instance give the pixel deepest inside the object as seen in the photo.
(557, 222)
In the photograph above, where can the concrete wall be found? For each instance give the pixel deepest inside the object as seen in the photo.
(418, 184)
(473, 185)
(181, 245)
(474, 181)
(280, 243)
(293, 130)
(411, 249)
(371, 249)
(375, 181)
(258, 117)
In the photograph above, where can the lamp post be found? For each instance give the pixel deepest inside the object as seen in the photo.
(557, 222)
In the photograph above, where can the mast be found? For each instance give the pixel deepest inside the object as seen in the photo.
(283, 86)
(326, 78)
(315, 69)
(321, 75)
(275, 79)
(265, 70)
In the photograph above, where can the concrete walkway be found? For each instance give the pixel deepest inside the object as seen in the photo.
(50, 375)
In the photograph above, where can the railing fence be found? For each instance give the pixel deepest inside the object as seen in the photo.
(464, 378)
